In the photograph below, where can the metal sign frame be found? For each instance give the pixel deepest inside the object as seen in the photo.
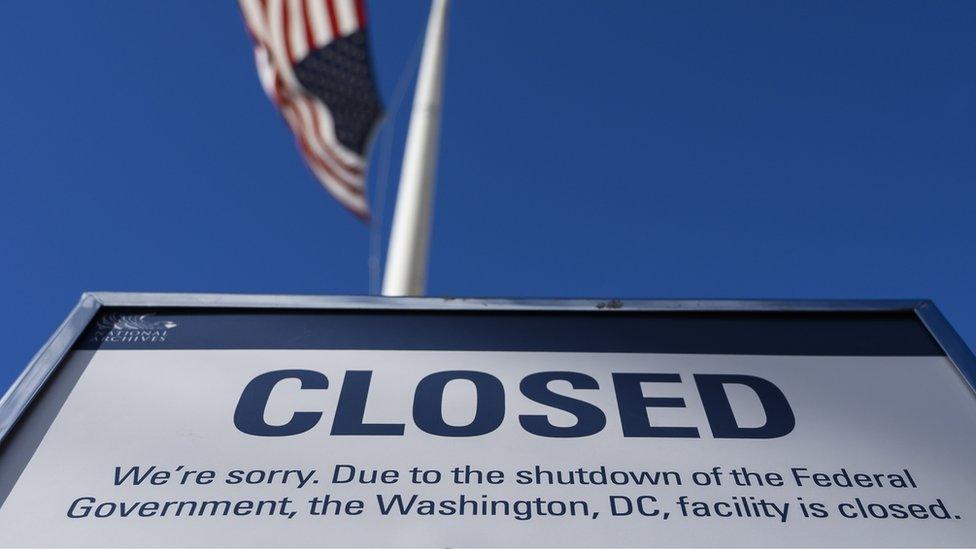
(26, 387)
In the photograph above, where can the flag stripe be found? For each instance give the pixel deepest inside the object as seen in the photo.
(333, 21)
(346, 14)
(320, 22)
(278, 44)
(286, 29)
(298, 46)
(361, 13)
(309, 34)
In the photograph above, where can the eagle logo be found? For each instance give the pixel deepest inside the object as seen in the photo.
(143, 322)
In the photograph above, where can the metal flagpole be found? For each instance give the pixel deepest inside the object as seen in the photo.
(406, 258)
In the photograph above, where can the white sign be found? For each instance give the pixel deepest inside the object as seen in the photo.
(365, 448)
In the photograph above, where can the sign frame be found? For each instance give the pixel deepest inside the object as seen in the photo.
(18, 398)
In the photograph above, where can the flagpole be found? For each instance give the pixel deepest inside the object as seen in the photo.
(406, 258)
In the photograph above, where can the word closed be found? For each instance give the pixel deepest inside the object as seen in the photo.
(634, 405)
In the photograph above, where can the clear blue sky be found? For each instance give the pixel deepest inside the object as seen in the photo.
(606, 149)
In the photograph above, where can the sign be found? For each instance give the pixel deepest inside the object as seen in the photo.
(493, 424)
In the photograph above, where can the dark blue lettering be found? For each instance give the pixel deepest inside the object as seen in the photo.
(352, 407)
(589, 419)
(780, 420)
(633, 406)
(429, 397)
(249, 416)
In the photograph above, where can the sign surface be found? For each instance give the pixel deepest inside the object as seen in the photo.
(495, 429)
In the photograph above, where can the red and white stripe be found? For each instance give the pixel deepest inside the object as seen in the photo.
(284, 31)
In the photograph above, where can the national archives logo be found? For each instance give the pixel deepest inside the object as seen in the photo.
(121, 328)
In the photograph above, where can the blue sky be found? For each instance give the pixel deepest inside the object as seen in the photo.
(605, 149)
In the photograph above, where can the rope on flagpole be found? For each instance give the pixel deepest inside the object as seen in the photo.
(383, 173)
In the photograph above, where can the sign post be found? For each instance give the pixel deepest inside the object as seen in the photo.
(258, 421)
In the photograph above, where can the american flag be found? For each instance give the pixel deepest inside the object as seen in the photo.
(313, 62)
